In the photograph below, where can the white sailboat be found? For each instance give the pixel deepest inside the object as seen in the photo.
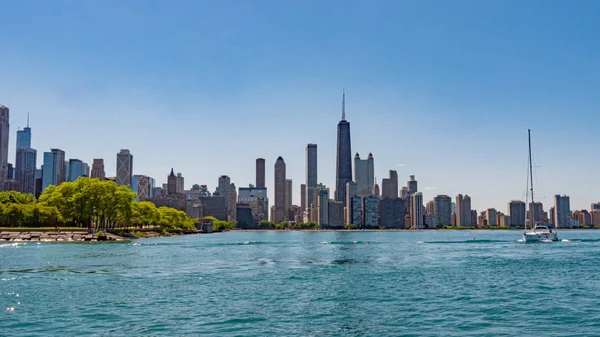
(539, 232)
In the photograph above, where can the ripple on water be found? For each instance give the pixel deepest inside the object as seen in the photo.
(307, 284)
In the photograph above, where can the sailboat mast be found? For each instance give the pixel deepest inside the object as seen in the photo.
(532, 210)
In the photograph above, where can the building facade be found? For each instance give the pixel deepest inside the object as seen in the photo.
(335, 210)
(124, 168)
(4, 132)
(25, 166)
(562, 211)
(260, 172)
(491, 217)
(442, 209)
(416, 212)
(98, 169)
(311, 174)
(463, 211)
(343, 156)
(279, 212)
(370, 211)
(76, 169)
(322, 209)
(392, 213)
(516, 211)
(389, 186)
(288, 195)
(256, 198)
(364, 174)
(54, 168)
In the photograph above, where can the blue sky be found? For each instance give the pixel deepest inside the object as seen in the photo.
(444, 90)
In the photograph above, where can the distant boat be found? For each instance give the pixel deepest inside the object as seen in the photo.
(539, 232)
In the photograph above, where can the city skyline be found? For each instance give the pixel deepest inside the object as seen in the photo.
(402, 108)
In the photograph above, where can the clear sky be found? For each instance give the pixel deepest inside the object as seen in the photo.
(444, 90)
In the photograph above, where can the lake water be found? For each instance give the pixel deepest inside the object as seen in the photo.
(430, 283)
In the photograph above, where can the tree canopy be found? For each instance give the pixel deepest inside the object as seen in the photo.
(88, 202)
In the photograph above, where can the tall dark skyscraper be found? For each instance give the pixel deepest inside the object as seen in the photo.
(279, 209)
(260, 172)
(343, 173)
(311, 175)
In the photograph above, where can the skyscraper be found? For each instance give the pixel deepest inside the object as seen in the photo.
(344, 156)
(98, 169)
(303, 197)
(389, 186)
(124, 168)
(516, 211)
(416, 211)
(172, 183)
(364, 174)
(224, 189)
(260, 172)
(53, 172)
(25, 169)
(288, 195)
(279, 210)
(562, 211)
(24, 137)
(442, 209)
(463, 211)
(180, 186)
(491, 217)
(412, 185)
(311, 173)
(536, 213)
(76, 169)
(4, 130)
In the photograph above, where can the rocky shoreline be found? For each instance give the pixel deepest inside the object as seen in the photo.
(63, 236)
(80, 236)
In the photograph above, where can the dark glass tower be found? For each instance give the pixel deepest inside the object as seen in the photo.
(344, 156)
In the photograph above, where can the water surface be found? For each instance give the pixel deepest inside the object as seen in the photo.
(430, 283)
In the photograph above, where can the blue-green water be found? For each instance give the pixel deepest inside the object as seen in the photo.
(432, 283)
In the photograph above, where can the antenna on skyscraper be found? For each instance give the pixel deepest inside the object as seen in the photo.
(344, 103)
(27, 119)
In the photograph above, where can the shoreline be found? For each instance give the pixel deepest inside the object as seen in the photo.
(82, 236)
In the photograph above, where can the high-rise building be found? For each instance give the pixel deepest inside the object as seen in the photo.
(392, 213)
(516, 211)
(376, 189)
(303, 197)
(344, 156)
(491, 217)
(4, 130)
(98, 169)
(463, 211)
(389, 186)
(595, 206)
(76, 169)
(562, 211)
(336, 214)
(232, 216)
(370, 211)
(256, 198)
(53, 173)
(412, 185)
(416, 212)
(171, 183)
(311, 174)
(260, 172)
(364, 174)
(124, 168)
(143, 186)
(442, 209)
(536, 213)
(288, 195)
(322, 208)
(279, 211)
(179, 183)
(24, 137)
(25, 169)
(351, 191)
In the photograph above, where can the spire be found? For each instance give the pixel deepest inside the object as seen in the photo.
(28, 119)
(344, 104)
